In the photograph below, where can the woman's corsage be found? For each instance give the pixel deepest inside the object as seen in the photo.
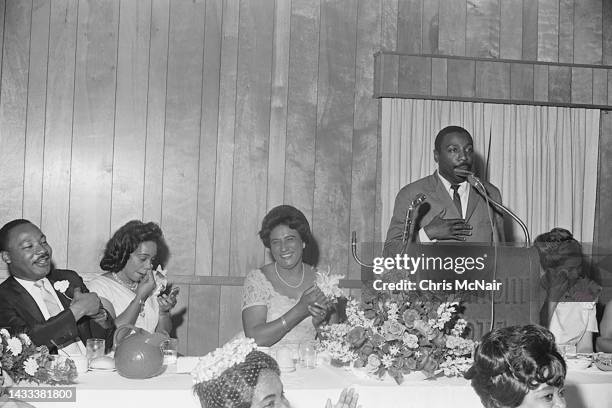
(214, 363)
(161, 280)
(328, 283)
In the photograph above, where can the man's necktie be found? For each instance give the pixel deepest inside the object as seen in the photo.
(457, 199)
(48, 298)
(54, 309)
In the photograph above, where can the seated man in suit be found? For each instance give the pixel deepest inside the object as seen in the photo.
(453, 211)
(52, 306)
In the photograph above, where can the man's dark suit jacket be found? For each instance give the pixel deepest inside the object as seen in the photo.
(437, 199)
(19, 313)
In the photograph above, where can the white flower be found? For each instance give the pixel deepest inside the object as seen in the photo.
(161, 280)
(393, 350)
(328, 283)
(410, 340)
(25, 339)
(217, 361)
(61, 286)
(30, 366)
(387, 360)
(4, 333)
(14, 346)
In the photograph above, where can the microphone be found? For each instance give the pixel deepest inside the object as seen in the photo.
(477, 184)
(417, 201)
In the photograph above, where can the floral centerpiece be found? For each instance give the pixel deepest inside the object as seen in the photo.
(23, 361)
(396, 333)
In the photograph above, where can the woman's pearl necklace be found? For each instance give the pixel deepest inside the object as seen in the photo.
(287, 283)
(131, 287)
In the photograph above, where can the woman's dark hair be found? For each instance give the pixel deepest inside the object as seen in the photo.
(126, 240)
(556, 247)
(235, 386)
(512, 361)
(296, 220)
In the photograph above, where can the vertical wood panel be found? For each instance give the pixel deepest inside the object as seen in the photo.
(92, 144)
(13, 101)
(607, 32)
(540, 83)
(390, 74)
(252, 133)
(302, 106)
(182, 141)
(530, 30)
(511, 30)
(439, 75)
(600, 86)
(582, 85)
(521, 80)
(204, 313)
(363, 183)
(451, 39)
(130, 113)
(493, 79)
(278, 104)
(588, 32)
(559, 84)
(430, 26)
(390, 11)
(461, 78)
(548, 30)
(483, 28)
(335, 130)
(225, 142)
(35, 126)
(566, 31)
(58, 127)
(409, 22)
(156, 111)
(208, 137)
(230, 320)
(414, 75)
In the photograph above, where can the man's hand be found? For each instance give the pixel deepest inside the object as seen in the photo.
(84, 304)
(452, 228)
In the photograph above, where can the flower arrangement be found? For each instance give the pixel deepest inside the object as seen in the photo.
(396, 333)
(328, 283)
(23, 361)
(214, 363)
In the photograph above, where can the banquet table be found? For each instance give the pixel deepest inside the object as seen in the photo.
(305, 388)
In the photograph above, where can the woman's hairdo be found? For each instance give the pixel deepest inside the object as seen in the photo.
(296, 220)
(512, 361)
(127, 239)
(557, 246)
(234, 388)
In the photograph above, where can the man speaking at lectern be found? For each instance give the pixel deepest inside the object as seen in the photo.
(453, 210)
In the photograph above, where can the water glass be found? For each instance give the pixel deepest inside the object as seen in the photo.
(95, 348)
(567, 350)
(308, 355)
(170, 351)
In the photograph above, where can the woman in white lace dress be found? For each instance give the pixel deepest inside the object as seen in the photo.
(280, 304)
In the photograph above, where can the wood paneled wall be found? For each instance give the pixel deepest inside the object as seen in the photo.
(201, 115)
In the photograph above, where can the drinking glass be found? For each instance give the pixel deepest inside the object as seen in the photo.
(567, 350)
(95, 348)
(170, 351)
(308, 355)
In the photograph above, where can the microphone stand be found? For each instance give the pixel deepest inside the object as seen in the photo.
(473, 180)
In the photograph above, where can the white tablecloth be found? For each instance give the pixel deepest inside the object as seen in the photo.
(306, 388)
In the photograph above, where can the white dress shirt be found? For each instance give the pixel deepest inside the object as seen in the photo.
(464, 194)
(37, 296)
